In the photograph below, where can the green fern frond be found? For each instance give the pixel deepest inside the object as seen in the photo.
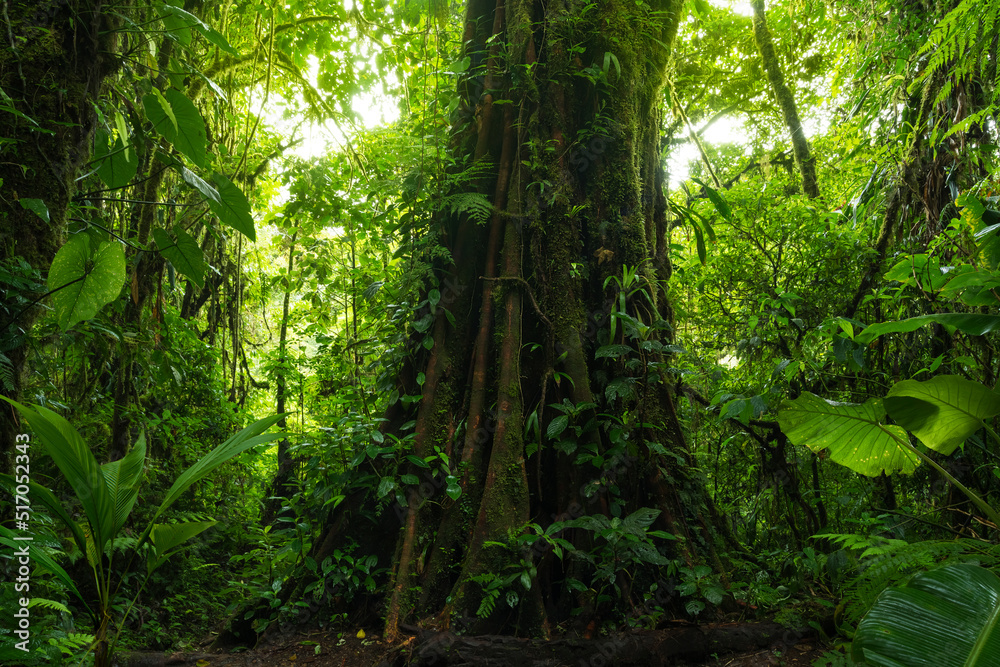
(71, 642)
(473, 204)
(48, 604)
(6, 373)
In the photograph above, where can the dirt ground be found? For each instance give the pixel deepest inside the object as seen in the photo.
(337, 649)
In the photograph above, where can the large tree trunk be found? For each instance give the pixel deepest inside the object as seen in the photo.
(560, 272)
(55, 57)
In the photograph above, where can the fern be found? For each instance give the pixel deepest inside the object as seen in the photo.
(473, 204)
(6, 373)
(48, 604)
(70, 643)
(490, 584)
(886, 562)
(960, 44)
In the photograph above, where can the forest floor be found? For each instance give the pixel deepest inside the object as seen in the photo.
(672, 646)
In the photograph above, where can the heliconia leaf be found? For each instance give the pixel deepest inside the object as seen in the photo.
(974, 325)
(853, 433)
(943, 411)
(185, 254)
(948, 617)
(82, 283)
(233, 207)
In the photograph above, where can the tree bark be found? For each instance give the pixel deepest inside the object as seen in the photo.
(804, 160)
(56, 56)
(532, 296)
(282, 485)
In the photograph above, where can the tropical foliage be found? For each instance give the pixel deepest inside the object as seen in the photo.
(596, 315)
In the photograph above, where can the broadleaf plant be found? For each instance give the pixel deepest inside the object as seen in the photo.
(941, 412)
(948, 617)
(107, 494)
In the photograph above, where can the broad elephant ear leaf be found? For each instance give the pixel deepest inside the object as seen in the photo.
(942, 412)
(854, 434)
(83, 282)
(948, 617)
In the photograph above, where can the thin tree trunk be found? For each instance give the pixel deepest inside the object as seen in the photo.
(804, 160)
(282, 486)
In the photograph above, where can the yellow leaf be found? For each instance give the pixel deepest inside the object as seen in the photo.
(361, 634)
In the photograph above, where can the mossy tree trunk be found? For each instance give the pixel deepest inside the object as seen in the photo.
(54, 58)
(559, 300)
(283, 485)
(804, 159)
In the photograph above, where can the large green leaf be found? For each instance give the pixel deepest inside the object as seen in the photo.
(717, 200)
(177, 119)
(116, 165)
(944, 411)
(76, 462)
(233, 208)
(974, 325)
(947, 617)
(854, 434)
(123, 478)
(201, 185)
(42, 496)
(82, 283)
(181, 23)
(164, 537)
(185, 254)
(160, 113)
(249, 437)
(191, 138)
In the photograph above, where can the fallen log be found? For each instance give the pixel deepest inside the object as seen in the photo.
(641, 648)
